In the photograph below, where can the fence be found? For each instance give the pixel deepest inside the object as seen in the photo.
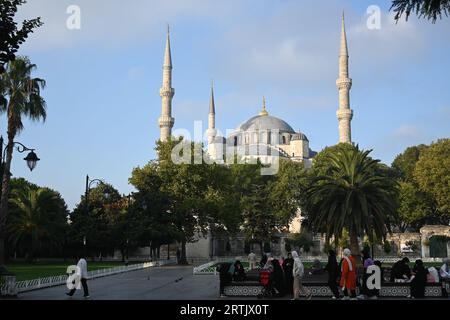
(41, 283)
(209, 268)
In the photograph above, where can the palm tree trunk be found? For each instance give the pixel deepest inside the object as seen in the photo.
(354, 247)
(5, 192)
(183, 259)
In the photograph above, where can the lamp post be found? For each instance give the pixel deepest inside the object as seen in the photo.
(31, 158)
(86, 200)
(88, 188)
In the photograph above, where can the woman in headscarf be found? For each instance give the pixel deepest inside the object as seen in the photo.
(288, 265)
(419, 280)
(263, 261)
(297, 272)
(225, 276)
(348, 275)
(365, 291)
(239, 272)
(333, 273)
(278, 277)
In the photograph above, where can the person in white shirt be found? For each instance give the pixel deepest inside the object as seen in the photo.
(445, 269)
(83, 273)
(252, 261)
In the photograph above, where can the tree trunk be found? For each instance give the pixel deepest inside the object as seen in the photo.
(5, 193)
(354, 247)
(183, 259)
(168, 251)
(2, 250)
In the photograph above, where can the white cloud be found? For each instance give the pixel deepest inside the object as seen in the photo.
(113, 22)
(407, 131)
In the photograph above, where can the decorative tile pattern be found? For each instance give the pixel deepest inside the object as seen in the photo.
(322, 290)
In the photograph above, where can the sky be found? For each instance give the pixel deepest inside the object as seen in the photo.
(103, 79)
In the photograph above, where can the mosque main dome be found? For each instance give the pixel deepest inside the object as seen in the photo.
(265, 122)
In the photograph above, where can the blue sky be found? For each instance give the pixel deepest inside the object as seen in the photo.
(103, 80)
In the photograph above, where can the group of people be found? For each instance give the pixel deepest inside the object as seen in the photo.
(287, 274)
(419, 275)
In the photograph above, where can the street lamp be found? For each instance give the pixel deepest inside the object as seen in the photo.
(88, 188)
(86, 196)
(31, 158)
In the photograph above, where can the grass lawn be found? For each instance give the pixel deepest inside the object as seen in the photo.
(28, 271)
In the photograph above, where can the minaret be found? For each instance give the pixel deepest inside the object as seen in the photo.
(212, 132)
(344, 84)
(166, 92)
(264, 111)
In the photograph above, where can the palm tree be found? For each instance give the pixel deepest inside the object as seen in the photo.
(37, 215)
(356, 196)
(429, 9)
(23, 99)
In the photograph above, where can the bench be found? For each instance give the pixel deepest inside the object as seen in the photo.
(320, 289)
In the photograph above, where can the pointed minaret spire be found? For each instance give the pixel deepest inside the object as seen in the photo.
(264, 111)
(167, 54)
(212, 132)
(166, 121)
(344, 84)
(344, 49)
(212, 107)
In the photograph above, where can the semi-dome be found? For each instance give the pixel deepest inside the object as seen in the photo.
(265, 122)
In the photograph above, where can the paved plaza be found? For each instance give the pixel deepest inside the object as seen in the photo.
(159, 283)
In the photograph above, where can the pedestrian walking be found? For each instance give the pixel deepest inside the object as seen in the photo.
(332, 268)
(297, 273)
(83, 274)
(348, 275)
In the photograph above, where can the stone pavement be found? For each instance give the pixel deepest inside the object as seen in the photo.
(157, 283)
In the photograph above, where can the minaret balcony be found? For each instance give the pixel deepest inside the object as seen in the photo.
(344, 83)
(167, 92)
(165, 121)
(344, 114)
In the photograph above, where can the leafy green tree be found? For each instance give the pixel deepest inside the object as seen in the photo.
(11, 37)
(428, 9)
(432, 174)
(287, 190)
(302, 240)
(405, 163)
(151, 220)
(260, 223)
(189, 188)
(38, 220)
(415, 207)
(23, 93)
(355, 194)
(92, 222)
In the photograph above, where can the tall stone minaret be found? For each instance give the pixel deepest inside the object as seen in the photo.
(212, 132)
(166, 92)
(344, 84)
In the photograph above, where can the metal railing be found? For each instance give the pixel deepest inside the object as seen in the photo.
(41, 283)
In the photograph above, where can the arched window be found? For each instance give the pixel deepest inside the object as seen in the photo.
(284, 140)
(235, 141)
(269, 137)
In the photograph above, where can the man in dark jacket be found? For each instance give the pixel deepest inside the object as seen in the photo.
(333, 272)
(400, 271)
(288, 265)
(225, 276)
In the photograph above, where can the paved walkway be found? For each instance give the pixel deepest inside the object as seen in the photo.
(158, 283)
